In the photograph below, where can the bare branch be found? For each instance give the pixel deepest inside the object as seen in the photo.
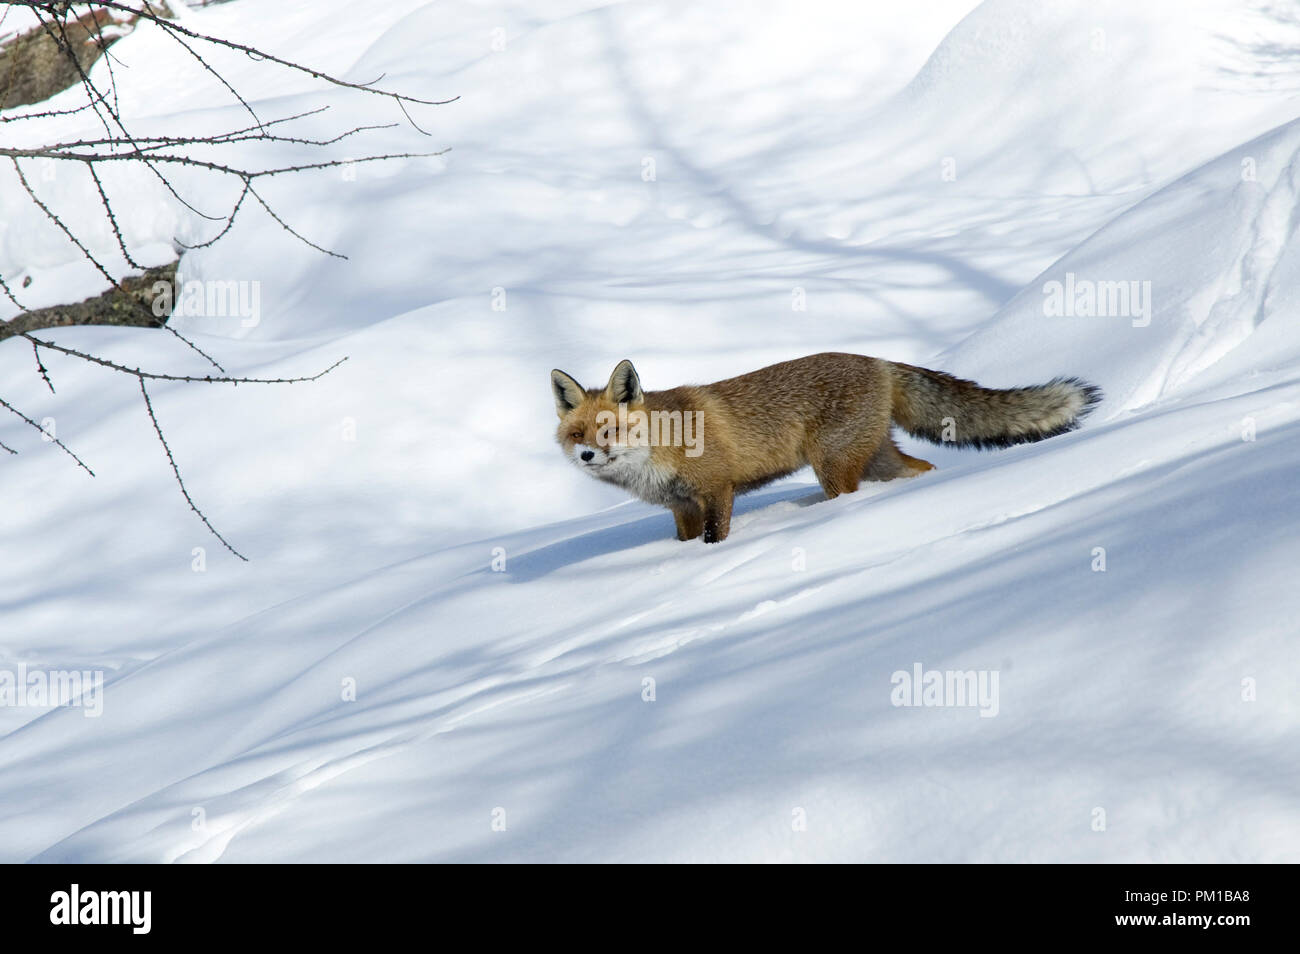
(41, 369)
(59, 222)
(148, 405)
(257, 54)
(155, 376)
(284, 225)
(112, 219)
(46, 435)
(81, 39)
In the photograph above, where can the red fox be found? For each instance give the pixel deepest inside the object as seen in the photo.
(831, 411)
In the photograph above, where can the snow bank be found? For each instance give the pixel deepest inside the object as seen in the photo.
(370, 687)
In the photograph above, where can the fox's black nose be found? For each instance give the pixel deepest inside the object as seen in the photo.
(588, 455)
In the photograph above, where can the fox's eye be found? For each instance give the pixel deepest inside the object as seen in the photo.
(576, 435)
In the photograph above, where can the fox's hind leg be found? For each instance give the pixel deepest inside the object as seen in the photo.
(890, 462)
(839, 452)
(839, 477)
(838, 473)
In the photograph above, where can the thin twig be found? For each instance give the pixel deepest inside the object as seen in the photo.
(47, 436)
(41, 369)
(148, 406)
(155, 376)
(285, 225)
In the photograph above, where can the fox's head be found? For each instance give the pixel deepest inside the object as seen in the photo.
(590, 420)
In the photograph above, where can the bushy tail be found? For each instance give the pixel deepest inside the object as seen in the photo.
(937, 407)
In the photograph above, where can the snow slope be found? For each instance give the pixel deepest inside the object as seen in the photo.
(919, 178)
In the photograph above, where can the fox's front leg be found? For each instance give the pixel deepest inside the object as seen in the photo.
(690, 521)
(717, 515)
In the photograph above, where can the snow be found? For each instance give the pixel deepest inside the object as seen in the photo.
(797, 149)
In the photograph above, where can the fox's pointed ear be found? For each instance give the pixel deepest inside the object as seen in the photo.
(568, 392)
(624, 385)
